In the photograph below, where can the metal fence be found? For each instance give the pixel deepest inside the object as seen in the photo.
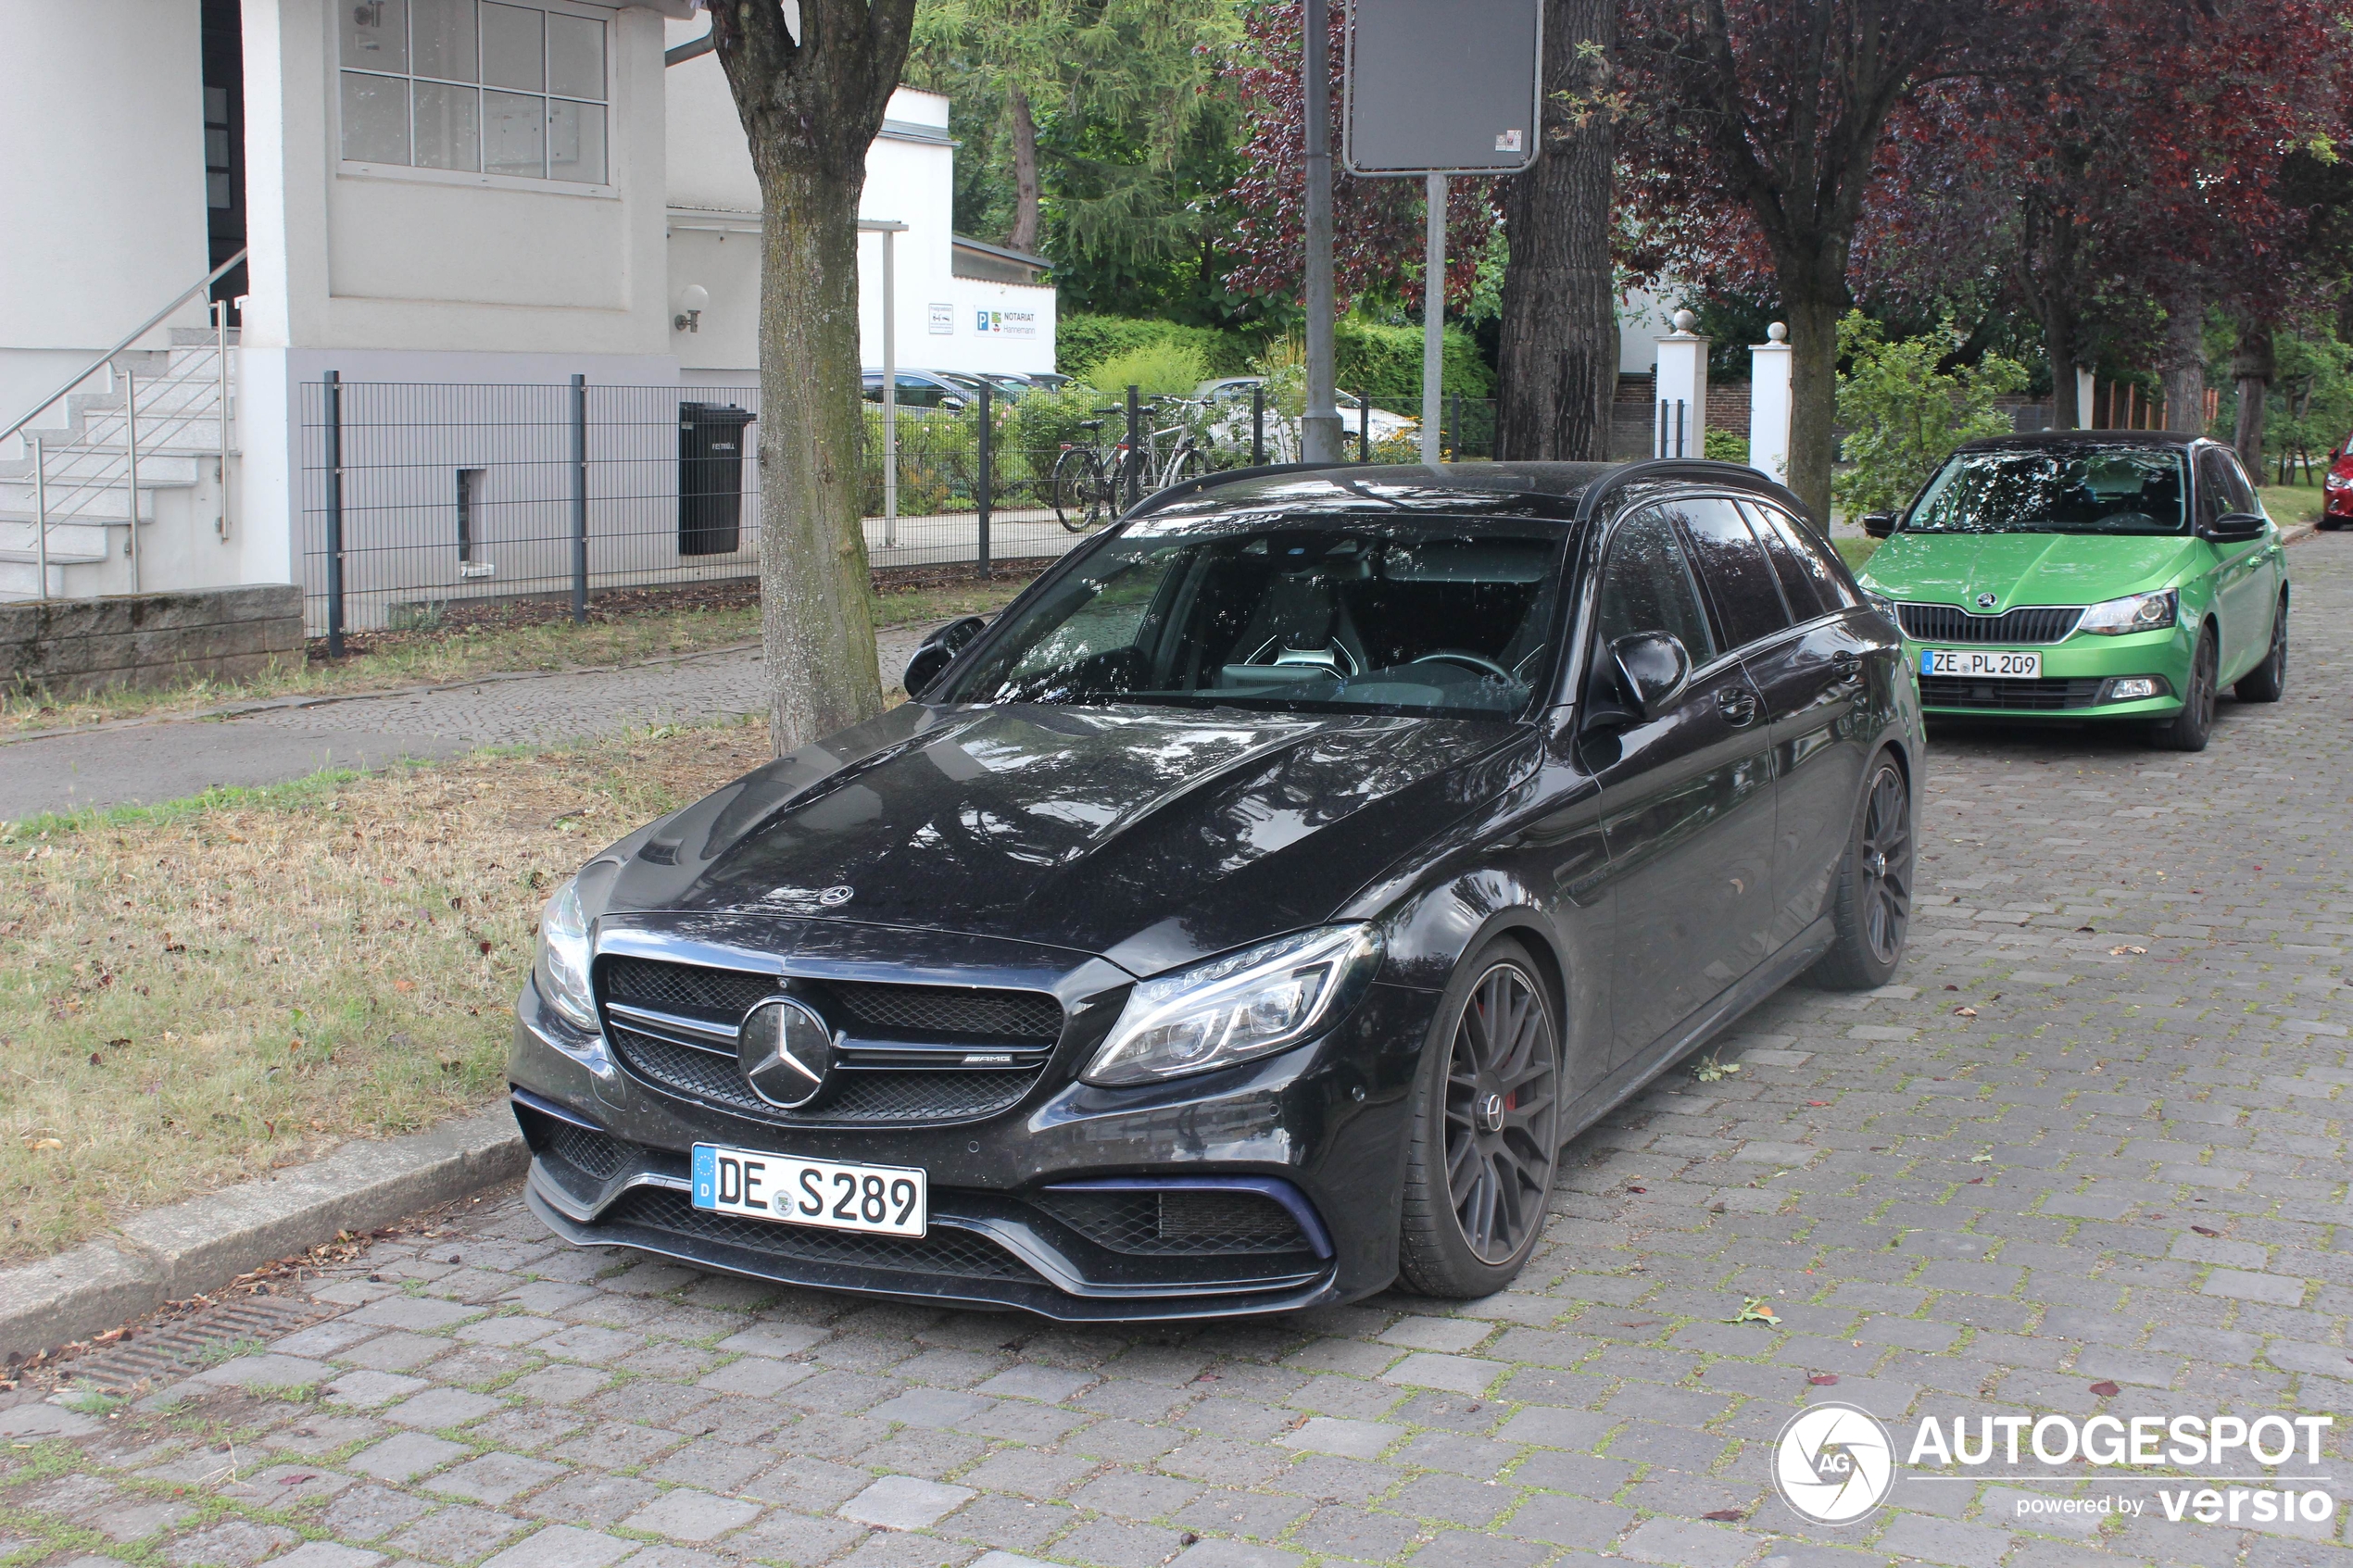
(416, 497)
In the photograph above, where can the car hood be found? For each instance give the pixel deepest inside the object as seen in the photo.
(1150, 835)
(2025, 569)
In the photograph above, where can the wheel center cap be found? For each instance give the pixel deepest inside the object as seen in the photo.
(1491, 1112)
(1875, 864)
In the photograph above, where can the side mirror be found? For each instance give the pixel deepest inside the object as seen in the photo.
(937, 651)
(1879, 525)
(1653, 670)
(2234, 528)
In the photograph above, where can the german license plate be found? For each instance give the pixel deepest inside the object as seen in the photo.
(1980, 662)
(880, 1199)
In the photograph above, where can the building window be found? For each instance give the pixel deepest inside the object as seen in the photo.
(477, 85)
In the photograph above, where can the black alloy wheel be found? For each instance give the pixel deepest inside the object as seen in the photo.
(2268, 681)
(1872, 913)
(1487, 1138)
(2189, 729)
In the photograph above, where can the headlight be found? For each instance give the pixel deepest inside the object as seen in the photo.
(1882, 604)
(2135, 612)
(1244, 1005)
(561, 971)
(2340, 481)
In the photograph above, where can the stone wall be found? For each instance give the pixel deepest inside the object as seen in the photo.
(75, 648)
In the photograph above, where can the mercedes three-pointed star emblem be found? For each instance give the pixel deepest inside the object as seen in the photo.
(785, 1050)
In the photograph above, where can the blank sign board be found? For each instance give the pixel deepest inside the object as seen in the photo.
(1443, 86)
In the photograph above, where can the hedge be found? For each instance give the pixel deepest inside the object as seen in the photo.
(1383, 362)
(1083, 342)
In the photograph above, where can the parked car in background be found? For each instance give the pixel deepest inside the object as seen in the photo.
(2089, 575)
(1250, 914)
(922, 389)
(2337, 489)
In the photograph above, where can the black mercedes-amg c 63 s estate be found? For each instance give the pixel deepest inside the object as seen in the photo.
(1246, 916)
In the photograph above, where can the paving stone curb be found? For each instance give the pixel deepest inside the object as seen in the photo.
(167, 1254)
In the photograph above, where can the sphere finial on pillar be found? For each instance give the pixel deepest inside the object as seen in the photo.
(1684, 320)
(1777, 333)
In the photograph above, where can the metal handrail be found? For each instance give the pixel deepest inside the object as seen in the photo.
(133, 335)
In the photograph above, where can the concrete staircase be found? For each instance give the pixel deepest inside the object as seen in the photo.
(88, 501)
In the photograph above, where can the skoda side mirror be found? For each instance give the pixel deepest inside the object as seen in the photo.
(937, 651)
(1879, 525)
(1653, 670)
(2234, 528)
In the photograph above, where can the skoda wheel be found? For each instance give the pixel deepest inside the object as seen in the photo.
(1486, 1134)
(2189, 729)
(1874, 907)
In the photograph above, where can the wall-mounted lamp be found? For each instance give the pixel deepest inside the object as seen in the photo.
(693, 300)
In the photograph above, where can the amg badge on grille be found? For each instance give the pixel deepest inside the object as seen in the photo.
(785, 1050)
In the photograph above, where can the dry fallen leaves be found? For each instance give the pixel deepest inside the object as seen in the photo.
(1755, 1308)
(2118, 952)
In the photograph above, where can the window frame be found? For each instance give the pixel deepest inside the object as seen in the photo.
(1598, 665)
(1790, 620)
(359, 169)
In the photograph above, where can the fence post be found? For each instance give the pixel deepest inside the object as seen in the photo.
(579, 501)
(984, 488)
(1364, 427)
(333, 386)
(1456, 425)
(1132, 481)
(131, 458)
(1258, 424)
(220, 525)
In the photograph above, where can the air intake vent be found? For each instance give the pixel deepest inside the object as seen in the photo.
(1951, 623)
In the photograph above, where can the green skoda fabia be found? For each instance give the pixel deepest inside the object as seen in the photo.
(2088, 576)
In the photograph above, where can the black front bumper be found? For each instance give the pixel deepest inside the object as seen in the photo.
(1323, 1126)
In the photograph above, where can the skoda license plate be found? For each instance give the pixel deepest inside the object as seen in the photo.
(1980, 662)
(882, 1200)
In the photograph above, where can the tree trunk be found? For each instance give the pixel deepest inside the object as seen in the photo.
(2251, 368)
(2185, 366)
(810, 94)
(1024, 235)
(816, 612)
(1812, 439)
(1557, 358)
(2058, 345)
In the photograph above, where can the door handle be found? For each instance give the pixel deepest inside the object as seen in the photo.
(1737, 706)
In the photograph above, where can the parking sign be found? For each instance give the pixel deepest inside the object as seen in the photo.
(1443, 87)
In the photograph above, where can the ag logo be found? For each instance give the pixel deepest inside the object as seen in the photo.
(1833, 1463)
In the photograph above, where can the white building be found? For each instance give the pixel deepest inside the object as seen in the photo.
(436, 193)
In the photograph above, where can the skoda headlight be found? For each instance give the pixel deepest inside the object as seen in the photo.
(2135, 612)
(1245, 1005)
(561, 970)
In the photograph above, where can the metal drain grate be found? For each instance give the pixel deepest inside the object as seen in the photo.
(171, 1349)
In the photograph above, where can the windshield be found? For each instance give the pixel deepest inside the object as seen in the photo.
(1290, 615)
(2071, 489)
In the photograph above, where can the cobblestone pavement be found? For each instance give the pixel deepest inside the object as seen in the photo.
(172, 760)
(2047, 1171)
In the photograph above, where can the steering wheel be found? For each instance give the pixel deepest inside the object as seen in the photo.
(1478, 661)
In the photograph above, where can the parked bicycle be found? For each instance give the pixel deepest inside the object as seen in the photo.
(1093, 482)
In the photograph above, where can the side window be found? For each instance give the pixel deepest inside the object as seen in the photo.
(2214, 485)
(1733, 566)
(2241, 492)
(1648, 586)
(1803, 559)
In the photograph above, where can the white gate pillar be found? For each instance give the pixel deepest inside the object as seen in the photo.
(1678, 423)
(1771, 365)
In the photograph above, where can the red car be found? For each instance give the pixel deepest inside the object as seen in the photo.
(2336, 491)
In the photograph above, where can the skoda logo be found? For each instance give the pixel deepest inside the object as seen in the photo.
(1987, 601)
(784, 1049)
(1833, 1463)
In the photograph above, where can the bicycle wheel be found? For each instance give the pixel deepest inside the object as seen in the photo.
(1191, 464)
(1079, 490)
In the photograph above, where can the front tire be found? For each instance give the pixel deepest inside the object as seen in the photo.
(1872, 912)
(2268, 680)
(2190, 729)
(1486, 1135)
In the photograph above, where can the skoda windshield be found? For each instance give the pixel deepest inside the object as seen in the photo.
(1290, 614)
(2060, 489)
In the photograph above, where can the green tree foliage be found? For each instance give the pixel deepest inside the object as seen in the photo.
(1384, 363)
(1134, 137)
(1905, 414)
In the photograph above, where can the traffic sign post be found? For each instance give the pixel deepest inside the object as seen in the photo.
(1440, 87)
